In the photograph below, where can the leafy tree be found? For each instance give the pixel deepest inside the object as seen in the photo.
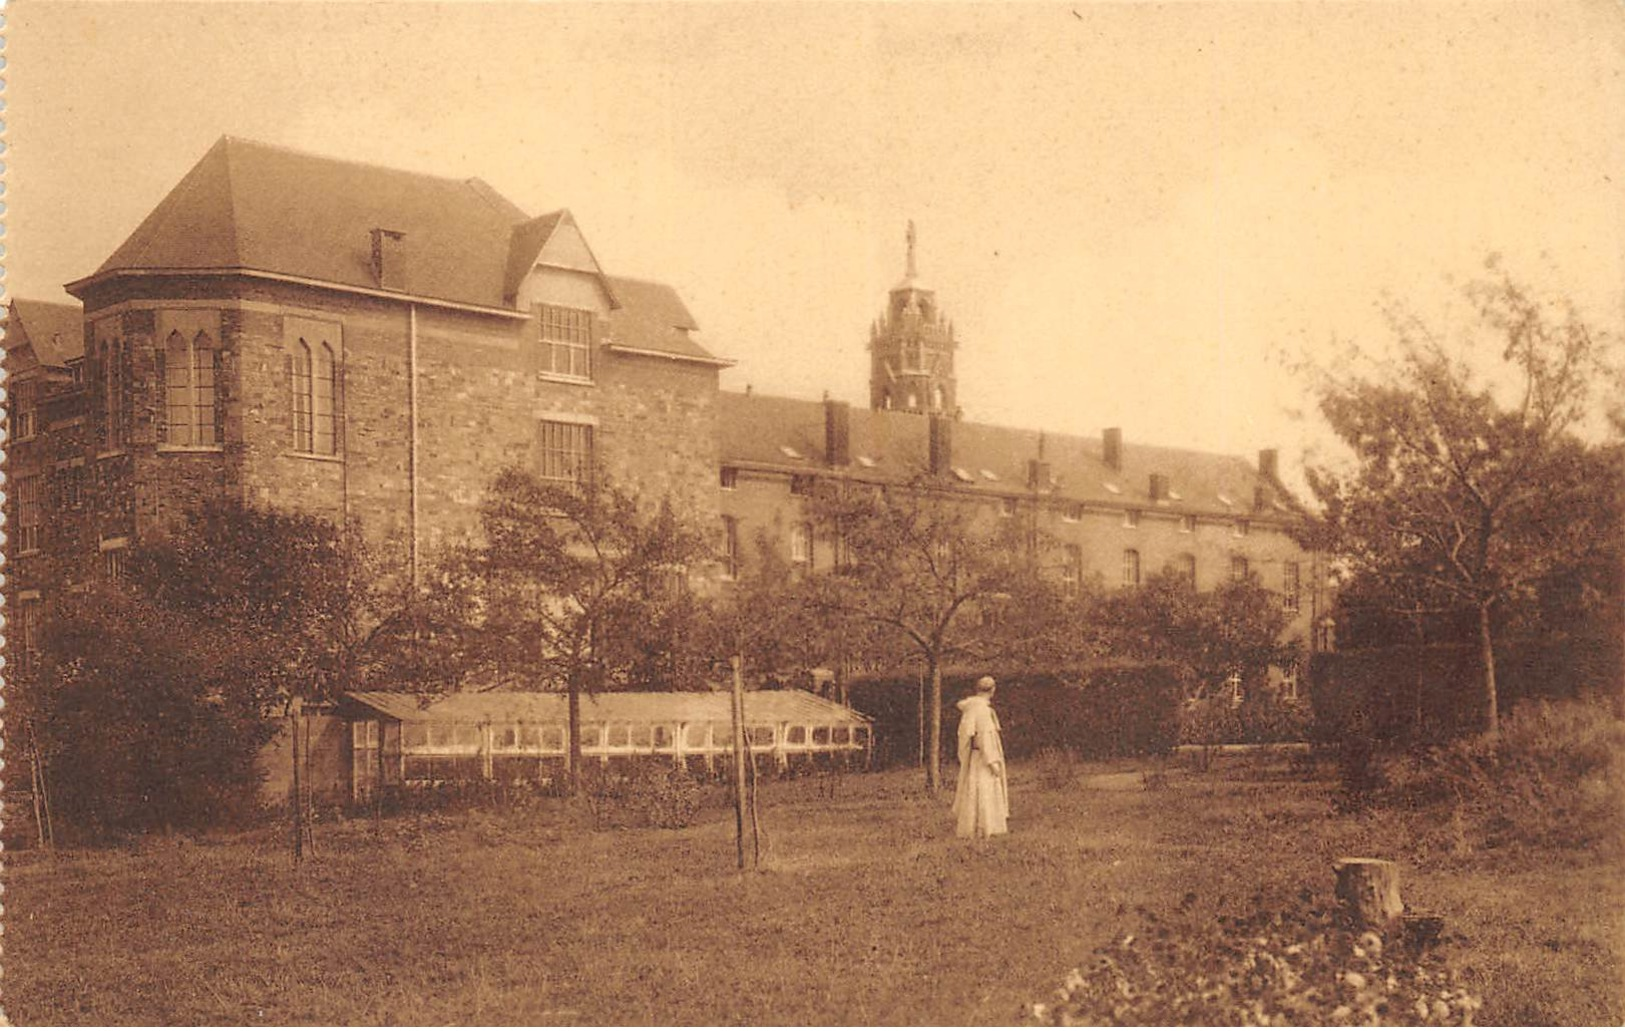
(1470, 491)
(917, 572)
(1235, 629)
(153, 692)
(573, 588)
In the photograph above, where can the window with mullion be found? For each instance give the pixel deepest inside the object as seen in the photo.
(566, 452)
(188, 369)
(565, 336)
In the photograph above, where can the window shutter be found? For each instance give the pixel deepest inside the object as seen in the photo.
(219, 396)
(160, 361)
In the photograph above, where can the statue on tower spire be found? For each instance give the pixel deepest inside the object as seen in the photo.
(911, 273)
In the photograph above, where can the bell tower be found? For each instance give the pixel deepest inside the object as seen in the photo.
(911, 350)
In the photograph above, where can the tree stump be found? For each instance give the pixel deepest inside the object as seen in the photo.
(1369, 892)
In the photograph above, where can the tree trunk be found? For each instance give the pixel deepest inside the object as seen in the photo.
(1369, 892)
(933, 755)
(573, 691)
(1492, 720)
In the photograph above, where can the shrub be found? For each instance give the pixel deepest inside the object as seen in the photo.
(641, 794)
(1294, 966)
(1411, 694)
(1257, 721)
(1101, 712)
(1553, 777)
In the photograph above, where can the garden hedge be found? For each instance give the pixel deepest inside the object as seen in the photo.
(1426, 693)
(1101, 712)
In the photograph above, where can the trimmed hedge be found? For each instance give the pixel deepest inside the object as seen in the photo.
(1410, 694)
(1102, 712)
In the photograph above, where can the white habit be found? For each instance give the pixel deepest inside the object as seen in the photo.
(982, 799)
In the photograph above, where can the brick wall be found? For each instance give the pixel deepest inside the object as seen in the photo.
(479, 401)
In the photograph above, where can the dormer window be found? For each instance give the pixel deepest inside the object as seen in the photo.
(565, 338)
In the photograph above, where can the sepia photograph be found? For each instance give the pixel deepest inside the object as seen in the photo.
(813, 513)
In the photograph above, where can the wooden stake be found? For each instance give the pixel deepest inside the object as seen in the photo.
(739, 758)
(1369, 892)
(295, 708)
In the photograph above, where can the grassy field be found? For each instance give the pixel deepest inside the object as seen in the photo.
(868, 911)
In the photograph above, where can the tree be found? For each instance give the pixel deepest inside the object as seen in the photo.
(574, 588)
(917, 572)
(1470, 491)
(1234, 630)
(153, 693)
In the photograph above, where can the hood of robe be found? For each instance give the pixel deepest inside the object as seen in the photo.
(967, 704)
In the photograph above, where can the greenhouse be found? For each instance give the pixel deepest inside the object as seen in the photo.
(396, 738)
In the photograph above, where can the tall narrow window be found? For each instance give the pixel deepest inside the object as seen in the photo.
(566, 452)
(730, 547)
(24, 410)
(1291, 587)
(28, 624)
(1131, 568)
(1131, 517)
(801, 543)
(28, 513)
(313, 382)
(188, 370)
(1071, 569)
(565, 338)
(1238, 568)
(115, 394)
(1185, 569)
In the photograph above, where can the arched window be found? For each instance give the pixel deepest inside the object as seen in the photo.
(1131, 568)
(189, 370)
(312, 381)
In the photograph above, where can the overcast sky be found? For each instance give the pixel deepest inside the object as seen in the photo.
(1127, 209)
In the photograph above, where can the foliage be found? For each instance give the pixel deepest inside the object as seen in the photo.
(574, 587)
(1466, 494)
(152, 696)
(1400, 696)
(918, 572)
(1553, 778)
(652, 794)
(1296, 966)
(1099, 712)
(1235, 629)
(1258, 720)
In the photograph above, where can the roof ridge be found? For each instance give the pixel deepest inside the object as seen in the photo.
(231, 205)
(356, 162)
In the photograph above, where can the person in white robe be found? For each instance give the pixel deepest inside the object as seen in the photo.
(982, 797)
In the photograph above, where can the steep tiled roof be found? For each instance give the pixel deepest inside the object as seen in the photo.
(253, 206)
(631, 706)
(256, 207)
(789, 433)
(56, 332)
(652, 317)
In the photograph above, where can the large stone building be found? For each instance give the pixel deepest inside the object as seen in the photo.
(370, 344)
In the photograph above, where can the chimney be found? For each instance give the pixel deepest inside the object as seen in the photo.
(1269, 464)
(1111, 447)
(837, 432)
(942, 445)
(1261, 497)
(389, 259)
(1037, 474)
(1159, 487)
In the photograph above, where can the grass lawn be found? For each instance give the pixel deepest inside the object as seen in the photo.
(869, 910)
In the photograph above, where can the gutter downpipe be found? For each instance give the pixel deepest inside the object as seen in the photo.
(412, 441)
